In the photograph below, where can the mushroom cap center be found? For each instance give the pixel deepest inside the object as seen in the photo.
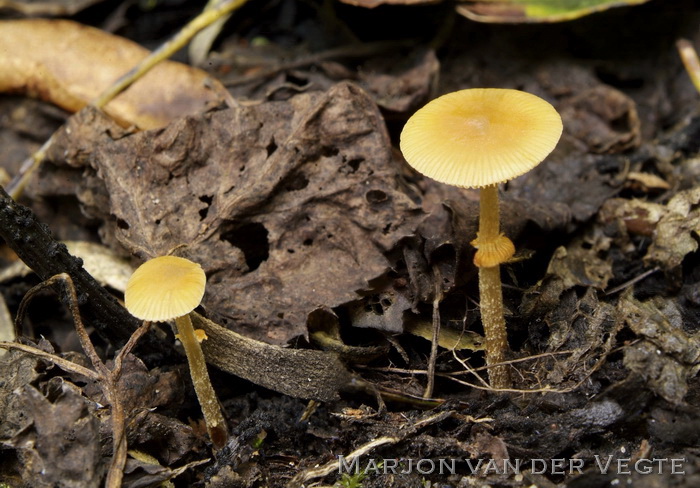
(476, 126)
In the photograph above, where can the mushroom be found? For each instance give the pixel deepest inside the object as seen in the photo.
(167, 288)
(478, 138)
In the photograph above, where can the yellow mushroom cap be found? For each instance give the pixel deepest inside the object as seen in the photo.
(164, 288)
(480, 136)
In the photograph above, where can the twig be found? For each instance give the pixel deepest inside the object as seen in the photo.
(64, 364)
(19, 182)
(169, 48)
(34, 244)
(106, 378)
(403, 433)
(331, 466)
(430, 386)
(631, 282)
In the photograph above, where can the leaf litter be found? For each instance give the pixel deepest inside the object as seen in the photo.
(602, 315)
(288, 205)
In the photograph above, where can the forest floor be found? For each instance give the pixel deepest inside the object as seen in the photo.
(329, 260)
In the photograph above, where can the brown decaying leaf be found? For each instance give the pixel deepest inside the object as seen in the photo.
(603, 118)
(673, 227)
(16, 370)
(60, 447)
(70, 64)
(667, 357)
(677, 230)
(288, 205)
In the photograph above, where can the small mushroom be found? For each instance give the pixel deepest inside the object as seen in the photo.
(167, 288)
(478, 138)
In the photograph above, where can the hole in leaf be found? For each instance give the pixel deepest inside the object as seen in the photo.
(205, 199)
(355, 164)
(122, 224)
(295, 80)
(251, 238)
(296, 182)
(271, 147)
(376, 196)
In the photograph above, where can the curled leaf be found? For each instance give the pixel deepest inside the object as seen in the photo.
(288, 205)
(70, 64)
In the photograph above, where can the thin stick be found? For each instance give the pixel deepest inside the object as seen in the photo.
(165, 51)
(430, 386)
(126, 350)
(634, 280)
(34, 244)
(108, 379)
(64, 364)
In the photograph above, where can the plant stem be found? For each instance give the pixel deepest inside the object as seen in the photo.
(214, 419)
(490, 293)
(184, 35)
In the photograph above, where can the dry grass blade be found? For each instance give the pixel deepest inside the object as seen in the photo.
(690, 59)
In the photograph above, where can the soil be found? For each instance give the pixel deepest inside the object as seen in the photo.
(330, 261)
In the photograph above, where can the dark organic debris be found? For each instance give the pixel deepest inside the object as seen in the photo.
(288, 205)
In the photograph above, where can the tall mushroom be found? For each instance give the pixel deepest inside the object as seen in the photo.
(478, 138)
(167, 288)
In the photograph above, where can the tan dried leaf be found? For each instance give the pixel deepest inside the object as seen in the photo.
(677, 230)
(648, 181)
(70, 64)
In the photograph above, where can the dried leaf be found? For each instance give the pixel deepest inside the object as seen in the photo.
(518, 11)
(668, 356)
(61, 445)
(17, 369)
(648, 181)
(287, 205)
(677, 230)
(66, 63)
(673, 227)
(578, 264)
(141, 473)
(401, 84)
(603, 118)
(448, 338)
(382, 311)
(636, 217)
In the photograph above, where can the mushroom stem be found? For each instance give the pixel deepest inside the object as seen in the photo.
(490, 293)
(214, 419)
(489, 214)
